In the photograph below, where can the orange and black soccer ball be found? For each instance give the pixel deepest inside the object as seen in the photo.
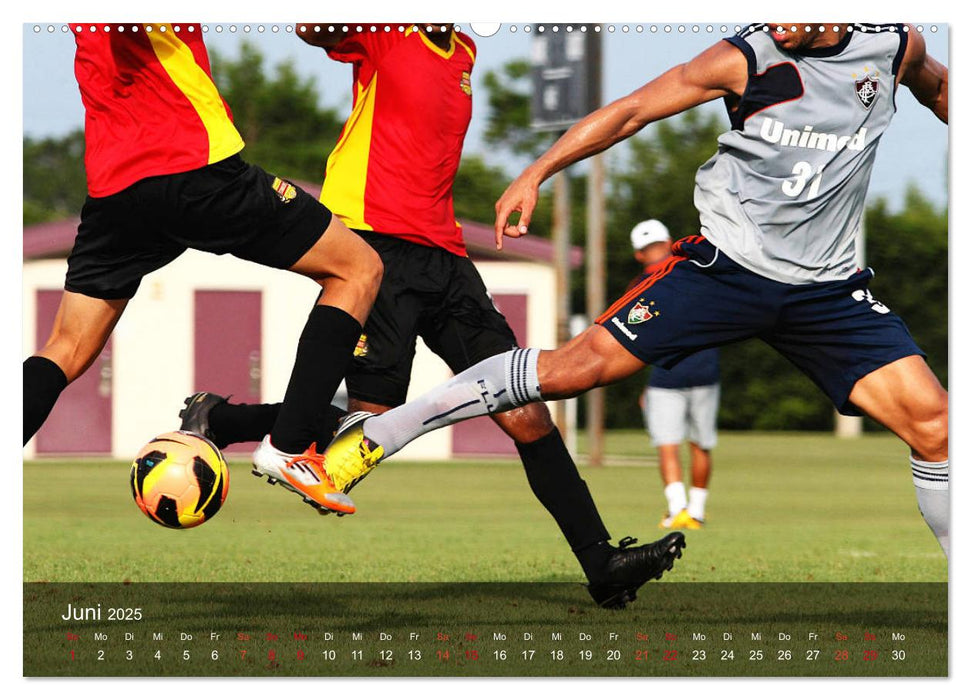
(179, 480)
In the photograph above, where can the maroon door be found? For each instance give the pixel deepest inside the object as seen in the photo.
(81, 420)
(228, 338)
(481, 436)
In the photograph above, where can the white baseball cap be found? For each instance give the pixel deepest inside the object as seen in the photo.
(647, 232)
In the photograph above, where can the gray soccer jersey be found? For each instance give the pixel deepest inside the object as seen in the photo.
(784, 195)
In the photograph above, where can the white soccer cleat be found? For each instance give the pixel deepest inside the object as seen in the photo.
(304, 474)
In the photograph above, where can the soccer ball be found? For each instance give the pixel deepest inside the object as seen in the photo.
(179, 480)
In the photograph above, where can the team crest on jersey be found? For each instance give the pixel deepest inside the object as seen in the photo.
(641, 313)
(466, 83)
(362, 346)
(284, 190)
(866, 89)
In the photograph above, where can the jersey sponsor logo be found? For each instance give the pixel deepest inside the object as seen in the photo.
(866, 88)
(775, 131)
(640, 313)
(623, 329)
(284, 190)
(466, 83)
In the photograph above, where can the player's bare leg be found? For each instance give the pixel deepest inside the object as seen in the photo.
(347, 269)
(593, 358)
(907, 398)
(700, 476)
(700, 466)
(81, 329)
(676, 517)
(669, 462)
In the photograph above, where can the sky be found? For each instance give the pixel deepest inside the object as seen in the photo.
(914, 150)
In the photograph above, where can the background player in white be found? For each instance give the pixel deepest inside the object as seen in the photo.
(679, 403)
(802, 99)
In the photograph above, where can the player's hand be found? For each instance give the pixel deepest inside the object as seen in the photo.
(520, 197)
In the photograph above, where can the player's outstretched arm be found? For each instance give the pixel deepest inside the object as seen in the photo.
(925, 77)
(721, 70)
(323, 38)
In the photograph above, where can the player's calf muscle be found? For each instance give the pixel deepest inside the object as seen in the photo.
(563, 375)
(590, 360)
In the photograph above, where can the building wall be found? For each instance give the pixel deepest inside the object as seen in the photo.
(152, 359)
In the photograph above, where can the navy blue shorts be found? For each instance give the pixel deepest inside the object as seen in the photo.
(835, 332)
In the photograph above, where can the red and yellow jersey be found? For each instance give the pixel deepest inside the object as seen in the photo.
(150, 104)
(392, 169)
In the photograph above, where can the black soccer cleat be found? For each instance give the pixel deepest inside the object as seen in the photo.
(195, 415)
(629, 568)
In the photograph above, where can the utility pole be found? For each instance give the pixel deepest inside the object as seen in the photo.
(852, 426)
(566, 87)
(561, 262)
(596, 297)
(596, 251)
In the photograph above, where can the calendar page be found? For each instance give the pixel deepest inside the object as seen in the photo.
(534, 350)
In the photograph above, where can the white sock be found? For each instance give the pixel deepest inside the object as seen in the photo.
(696, 502)
(497, 384)
(677, 499)
(931, 480)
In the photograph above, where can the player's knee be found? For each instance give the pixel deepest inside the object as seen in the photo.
(526, 424)
(70, 352)
(366, 272)
(373, 271)
(929, 429)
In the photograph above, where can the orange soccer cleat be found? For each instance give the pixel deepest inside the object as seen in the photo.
(304, 474)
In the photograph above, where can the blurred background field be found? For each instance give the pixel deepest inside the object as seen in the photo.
(787, 507)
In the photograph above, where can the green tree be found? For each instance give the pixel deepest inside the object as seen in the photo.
(478, 185)
(476, 189)
(507, 125)
(54, 180)
(277, 113)
(908, 251)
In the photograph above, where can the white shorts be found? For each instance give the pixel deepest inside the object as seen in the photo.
(671, 415)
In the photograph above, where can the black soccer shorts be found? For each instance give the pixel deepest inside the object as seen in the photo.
(226, 207)
(431, 293)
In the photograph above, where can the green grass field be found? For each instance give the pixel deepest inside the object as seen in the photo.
(783, 507)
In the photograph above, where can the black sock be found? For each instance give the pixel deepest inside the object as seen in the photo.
(323, 354)
(250, 422)
(554, 478)
(43, 383)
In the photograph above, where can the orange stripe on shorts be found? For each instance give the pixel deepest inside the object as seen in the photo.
(635, 291)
